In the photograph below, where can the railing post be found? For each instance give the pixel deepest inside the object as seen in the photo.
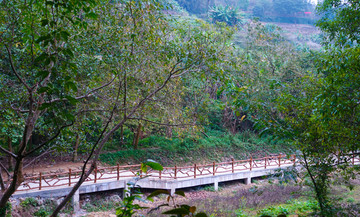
(250, 163)
(279, 160)
(232, 165)
(118, 171)
(266, 160)
(175, 172)
(40, 178)
(294, 159)
(214, 168)
(194, 171)
(69, 177)
(95, 177)
(159, 174)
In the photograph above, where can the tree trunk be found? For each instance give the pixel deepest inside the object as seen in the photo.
(122, 136)
(10, 158)
(2, 185)
(137, 136)
(77, 142)
(168, 132)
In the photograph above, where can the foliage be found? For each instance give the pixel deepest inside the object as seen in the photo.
(29, 201)
(227, 14)
(292, 207)
(338, 21)
(216, 146)
(196, 7)
(128, 208)
(177, 210)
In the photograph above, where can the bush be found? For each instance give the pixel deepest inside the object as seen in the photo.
(226, 14)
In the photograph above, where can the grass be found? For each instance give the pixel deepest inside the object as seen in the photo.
(218, 146)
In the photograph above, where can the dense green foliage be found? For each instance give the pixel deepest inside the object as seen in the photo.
(129, 81)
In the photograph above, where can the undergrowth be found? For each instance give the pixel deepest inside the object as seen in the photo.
(216, 146)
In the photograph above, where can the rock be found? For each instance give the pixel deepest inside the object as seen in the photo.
(87, 198)
(115, 198)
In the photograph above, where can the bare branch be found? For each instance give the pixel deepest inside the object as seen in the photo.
(4, 168)
(49, 140)
(42, 154)
(7, 152)
(88, 94)
(162, 124)
(14, 70)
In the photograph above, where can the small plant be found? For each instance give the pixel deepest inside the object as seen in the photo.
(41, 213)
(226, 14)
(240, 213)
(128, 208)
(178, 210)
(350, 200)
(30, 201)
(210, 188)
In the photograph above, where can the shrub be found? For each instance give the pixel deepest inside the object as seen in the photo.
(226, 14)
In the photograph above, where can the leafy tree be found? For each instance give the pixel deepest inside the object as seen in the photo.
(291, 7)
(69, 61)
(339, 20)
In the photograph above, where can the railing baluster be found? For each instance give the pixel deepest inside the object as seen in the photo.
(69, 177)
(279, 160)
(159, 174)
(194, 171)
(250, 163)
(266, 160)
(232, 165)
(214, 168)
(175, 172)
(118, 171)
(40, 178)
(95, 177)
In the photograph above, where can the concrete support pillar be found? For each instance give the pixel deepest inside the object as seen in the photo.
(172, 191)
(248, 181)
(76, 201)
(216, 185)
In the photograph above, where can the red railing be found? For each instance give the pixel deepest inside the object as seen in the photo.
(46, 181)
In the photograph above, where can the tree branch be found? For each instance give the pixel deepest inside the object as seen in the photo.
(7, 152)
(14, 70)
(162, 124)
(88, 94)
(49, 140)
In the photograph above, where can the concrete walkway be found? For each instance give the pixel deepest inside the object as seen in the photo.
(171, 178)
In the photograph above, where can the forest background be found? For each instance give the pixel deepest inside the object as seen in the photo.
(177, 82)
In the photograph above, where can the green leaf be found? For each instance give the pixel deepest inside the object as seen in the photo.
(177, 211)
(71, 99)
(65, 35)
(158, 192)
(181, 193)
(143, 167)
(44, 22)
(92, 15)
(42, 74)
(201, 214)
(43, 89)
(154, 165)
(44, 106)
